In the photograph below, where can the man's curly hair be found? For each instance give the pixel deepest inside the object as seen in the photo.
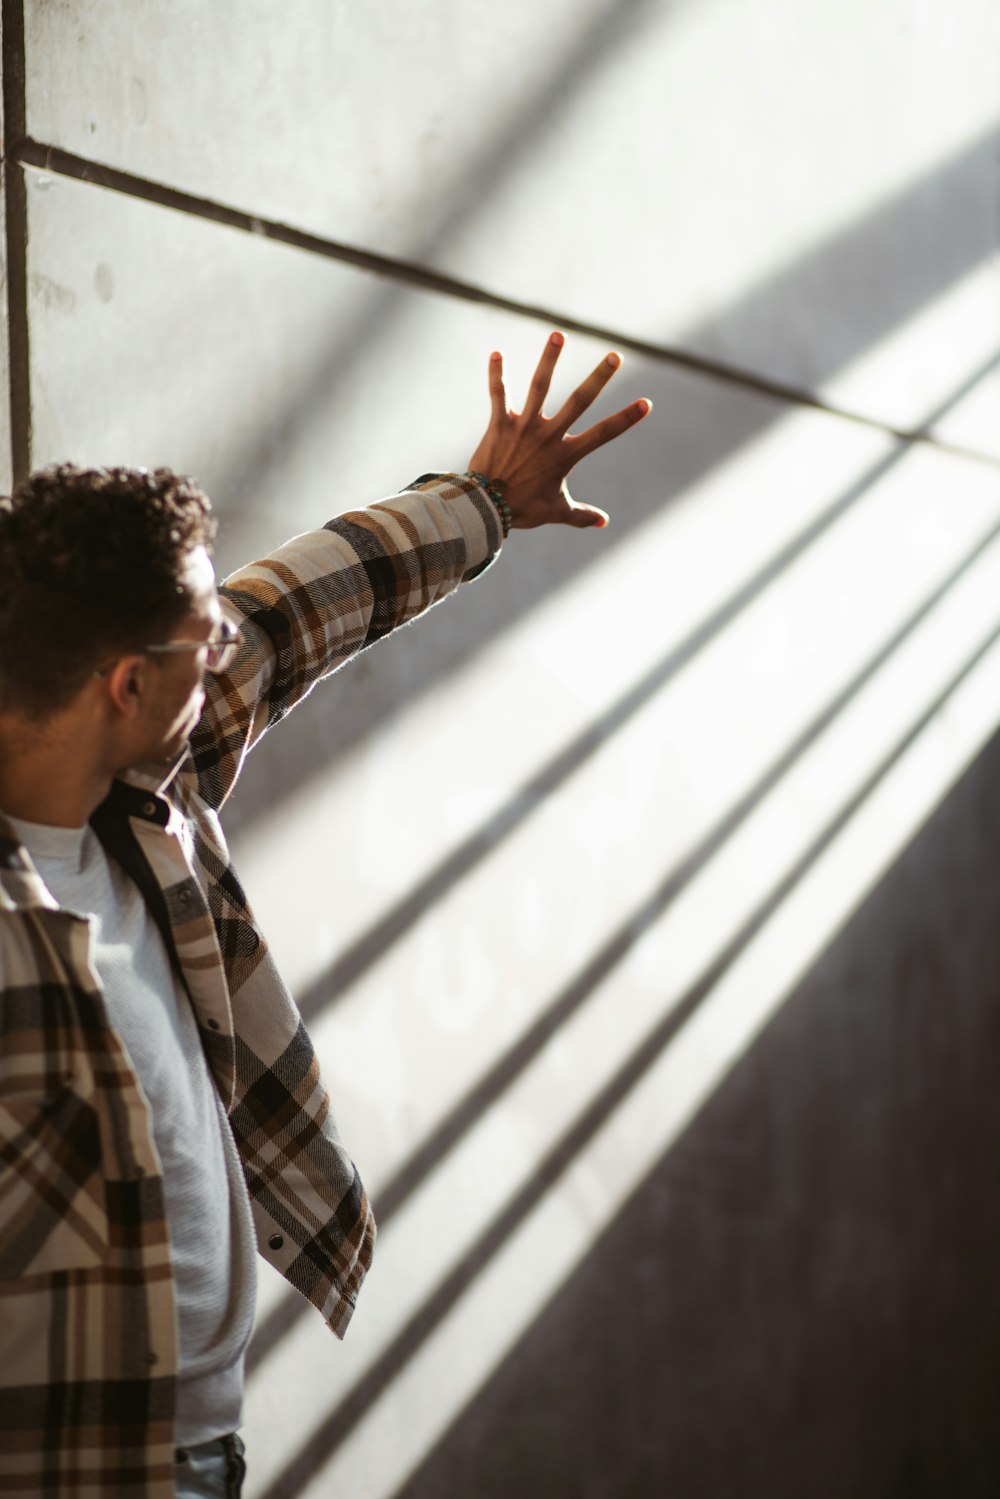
(90, 567)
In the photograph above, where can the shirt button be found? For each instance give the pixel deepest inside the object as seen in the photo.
(140, 1171)
(213, 1025)
(180, 1456)
(275, 1241)
(152, 1358)
(149, 809)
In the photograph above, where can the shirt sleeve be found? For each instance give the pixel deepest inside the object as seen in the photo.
(327, 595)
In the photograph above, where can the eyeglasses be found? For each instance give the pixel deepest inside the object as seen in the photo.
(219, 653)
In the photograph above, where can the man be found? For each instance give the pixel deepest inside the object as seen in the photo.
(161, 1111)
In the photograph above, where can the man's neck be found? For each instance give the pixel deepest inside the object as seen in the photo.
(47, 776)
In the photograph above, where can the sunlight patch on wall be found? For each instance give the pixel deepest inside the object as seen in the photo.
(776, 724)
(517, 1282)
(921, 363)
(480, 964)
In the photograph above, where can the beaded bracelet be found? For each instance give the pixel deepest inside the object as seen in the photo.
(494, 488)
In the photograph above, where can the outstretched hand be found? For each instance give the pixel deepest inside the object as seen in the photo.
(531, 454)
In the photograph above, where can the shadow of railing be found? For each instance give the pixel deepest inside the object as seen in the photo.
(390, 928)
(373, 944)
(795, 1292)
(317, 1449)
(440, 646)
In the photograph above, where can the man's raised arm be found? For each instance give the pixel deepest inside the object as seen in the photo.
(326, 595)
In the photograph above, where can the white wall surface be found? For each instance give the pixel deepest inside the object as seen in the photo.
(600, 758)
(771, 184)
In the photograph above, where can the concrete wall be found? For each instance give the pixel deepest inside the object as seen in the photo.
(647, 918)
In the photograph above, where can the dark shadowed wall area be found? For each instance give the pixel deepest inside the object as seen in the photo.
(642, 901)
(802, 1298)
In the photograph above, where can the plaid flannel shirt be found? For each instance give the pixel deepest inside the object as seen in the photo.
(88, 1348)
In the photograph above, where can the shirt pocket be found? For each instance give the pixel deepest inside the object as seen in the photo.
(53, 1210)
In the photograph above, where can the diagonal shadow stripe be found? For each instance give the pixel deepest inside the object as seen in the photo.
(373, 943)
(319, 1447)
(954, 189)
(417, 1169)
(587, 54)
(417, 277)
(886, 233)
(290, 1309)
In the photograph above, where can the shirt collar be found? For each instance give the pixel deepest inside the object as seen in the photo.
(20, 882)
(154, 778)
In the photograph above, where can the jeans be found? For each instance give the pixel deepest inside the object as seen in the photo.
(212, 1470)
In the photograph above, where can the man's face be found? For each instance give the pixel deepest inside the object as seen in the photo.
(175, 694)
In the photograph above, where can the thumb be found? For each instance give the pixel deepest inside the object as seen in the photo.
(586, 516)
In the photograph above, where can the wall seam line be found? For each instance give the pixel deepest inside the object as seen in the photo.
(42, 157)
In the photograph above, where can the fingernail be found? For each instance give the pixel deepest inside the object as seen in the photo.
(645, 406)
(495, 356)
(614, 360)
(557, 340)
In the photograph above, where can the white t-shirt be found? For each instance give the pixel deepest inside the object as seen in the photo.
(213, 1248)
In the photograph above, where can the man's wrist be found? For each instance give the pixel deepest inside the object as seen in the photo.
(495, 489)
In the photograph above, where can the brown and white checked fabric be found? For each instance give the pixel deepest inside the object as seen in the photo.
(88, 1353)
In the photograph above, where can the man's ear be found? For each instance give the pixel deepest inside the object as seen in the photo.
(126, 684)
